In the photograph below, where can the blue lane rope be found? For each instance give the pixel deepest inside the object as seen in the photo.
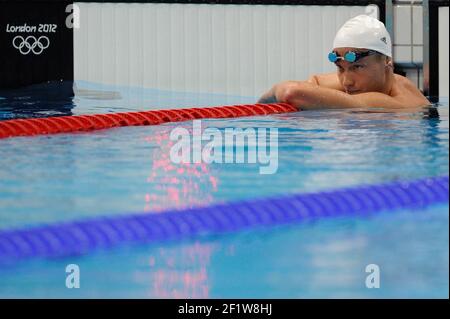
(75, 238)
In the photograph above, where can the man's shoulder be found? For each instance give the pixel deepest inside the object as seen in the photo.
(405, 82)
(408, 90)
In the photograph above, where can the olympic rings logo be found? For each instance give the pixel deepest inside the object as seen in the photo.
(31, 44)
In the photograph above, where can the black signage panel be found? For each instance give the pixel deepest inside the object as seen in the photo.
(36, 42)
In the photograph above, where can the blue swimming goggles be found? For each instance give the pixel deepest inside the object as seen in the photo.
(350, 56)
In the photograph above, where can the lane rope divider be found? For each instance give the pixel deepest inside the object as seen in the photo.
(81, 237)
(79, 123)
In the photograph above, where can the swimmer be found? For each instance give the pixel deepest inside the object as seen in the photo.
(365, 75)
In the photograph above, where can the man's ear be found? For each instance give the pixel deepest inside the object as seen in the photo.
(389, 62)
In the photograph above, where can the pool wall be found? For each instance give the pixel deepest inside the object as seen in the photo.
(229, 49)
(443, 51)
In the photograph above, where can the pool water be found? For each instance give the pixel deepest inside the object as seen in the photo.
(69, 177)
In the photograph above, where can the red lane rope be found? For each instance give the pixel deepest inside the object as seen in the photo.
(77, 123)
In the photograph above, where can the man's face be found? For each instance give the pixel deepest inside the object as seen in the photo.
(368, 74)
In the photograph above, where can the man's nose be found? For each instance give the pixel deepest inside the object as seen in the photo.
(348, 80)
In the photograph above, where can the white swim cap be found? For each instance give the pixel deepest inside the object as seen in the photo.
(364, 32)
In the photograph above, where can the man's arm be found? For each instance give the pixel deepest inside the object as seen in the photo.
(270, 96)
(328, 80)
(308, 96)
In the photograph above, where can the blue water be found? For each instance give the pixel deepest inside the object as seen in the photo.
(48, 179)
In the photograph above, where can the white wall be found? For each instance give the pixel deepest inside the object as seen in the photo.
(408, 33)
(443, 51)
(230, 49)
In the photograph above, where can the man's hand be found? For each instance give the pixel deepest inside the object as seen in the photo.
(277, 93)
(268, 97)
